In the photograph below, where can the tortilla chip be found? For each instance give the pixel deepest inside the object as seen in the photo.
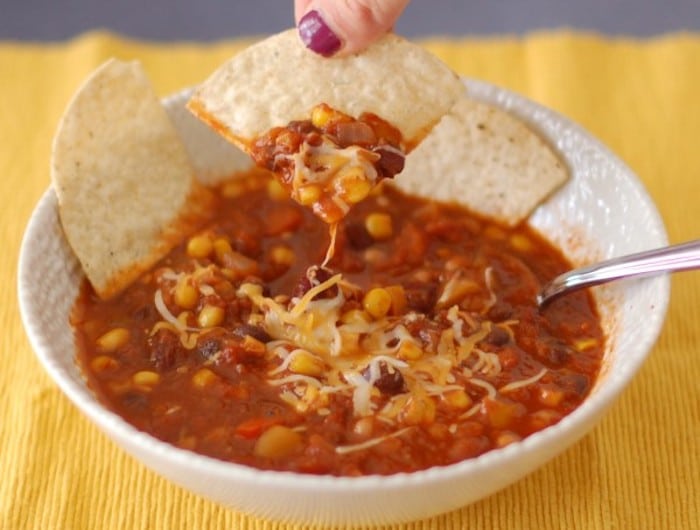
(125, 186)
(278, 80)
(485, 159)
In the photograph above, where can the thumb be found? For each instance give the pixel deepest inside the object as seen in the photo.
(343, 27)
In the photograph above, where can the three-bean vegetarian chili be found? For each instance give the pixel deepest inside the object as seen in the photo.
(418, 345)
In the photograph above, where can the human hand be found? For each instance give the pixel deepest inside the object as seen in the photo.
(343, 27)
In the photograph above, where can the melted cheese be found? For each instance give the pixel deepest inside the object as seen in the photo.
(345, 449)
(312, 324)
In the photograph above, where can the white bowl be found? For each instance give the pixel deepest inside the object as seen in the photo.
(602, 212)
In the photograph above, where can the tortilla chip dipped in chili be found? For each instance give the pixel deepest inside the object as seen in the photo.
(125, 187)
(329, 128)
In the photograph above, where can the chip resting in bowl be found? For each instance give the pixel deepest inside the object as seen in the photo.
(126, 190)
(329, 128)
(497, 166)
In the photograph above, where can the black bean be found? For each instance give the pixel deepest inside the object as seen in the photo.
(135, 401)
(577, 384)
(207, 348)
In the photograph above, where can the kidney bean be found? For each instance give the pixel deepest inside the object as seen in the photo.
(164, 349)
(256, 332)
(389, 382)
(357, 236)
(390, 162)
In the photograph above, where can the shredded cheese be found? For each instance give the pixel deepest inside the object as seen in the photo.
(345, 449)
(312, 324)
(524, 382)
(330, 251)
(488, 280)
(167, 315)
(490, 389)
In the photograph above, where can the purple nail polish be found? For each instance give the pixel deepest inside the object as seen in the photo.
(317, 36)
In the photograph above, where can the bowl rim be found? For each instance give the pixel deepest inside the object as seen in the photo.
(110, 422)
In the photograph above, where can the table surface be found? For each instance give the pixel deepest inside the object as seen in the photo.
(220, 19)
(638, 469)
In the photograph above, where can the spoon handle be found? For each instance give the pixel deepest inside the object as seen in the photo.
(682, 257)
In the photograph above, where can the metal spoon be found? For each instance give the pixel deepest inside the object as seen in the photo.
(683, 257)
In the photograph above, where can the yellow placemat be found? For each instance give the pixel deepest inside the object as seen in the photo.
(638, 468)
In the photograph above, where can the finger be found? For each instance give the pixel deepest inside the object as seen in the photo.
(343, 27)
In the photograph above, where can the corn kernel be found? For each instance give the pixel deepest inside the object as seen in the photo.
(210, 316)
(378, 189)
(307, 195)
(358, 191)
(507, 438)
(329, 163)
(253, 345)
(409, 351)
(222, 248)
(457, 399)
(585, 344)
(455, 290)
(377, 302)
(204, 377)
(321, 115)
(456, 262)
(418, 409)
(199, 246)
(379, 225)
(494, 232)
(544, 418)
(374, 256)
(288, 141)
(113, 340)
(364, 427)
(104, 363)
(398, 299)
(187, 442)
(306, 364)
(146, 378)
(350, 341)
(501, 413)
(282, 255)
(277, 442)
(550, 397)
(234, 188)
(520, 242)
(276, 191)
(355, 316)
(310, 398)
(186, 296)
(354, 184)
(184, 318)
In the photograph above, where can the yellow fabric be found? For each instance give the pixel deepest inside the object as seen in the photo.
(637, 469)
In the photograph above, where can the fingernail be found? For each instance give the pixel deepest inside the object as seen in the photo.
(317, 36)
